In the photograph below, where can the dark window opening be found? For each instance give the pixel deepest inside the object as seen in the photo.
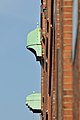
(42, 115)
(46, 115)
(43, 39)
(58, 88)
(50, 69)
(43, 99)
(42, 62)
(47, 47)
(47, 26)
(46, 66)
(42, 2)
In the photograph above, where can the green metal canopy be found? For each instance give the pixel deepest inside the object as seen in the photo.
(34, 44)
(33, 101)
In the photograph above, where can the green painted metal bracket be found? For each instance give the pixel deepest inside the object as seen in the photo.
(33, 102)
(34, 44)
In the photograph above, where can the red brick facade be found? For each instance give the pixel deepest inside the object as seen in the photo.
(60, 82)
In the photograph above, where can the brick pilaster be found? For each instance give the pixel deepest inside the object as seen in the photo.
(67, 61)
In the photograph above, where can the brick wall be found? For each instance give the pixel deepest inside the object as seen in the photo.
(67, 62)
(60, 84)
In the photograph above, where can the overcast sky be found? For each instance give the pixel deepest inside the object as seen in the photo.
(19, 71)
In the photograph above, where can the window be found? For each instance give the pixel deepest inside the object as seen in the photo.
(47, 47)
(43, 40)
(43, 99)
(47, 26)
(51, 54)
(46, 66)
(46, 115)
(57, 81)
